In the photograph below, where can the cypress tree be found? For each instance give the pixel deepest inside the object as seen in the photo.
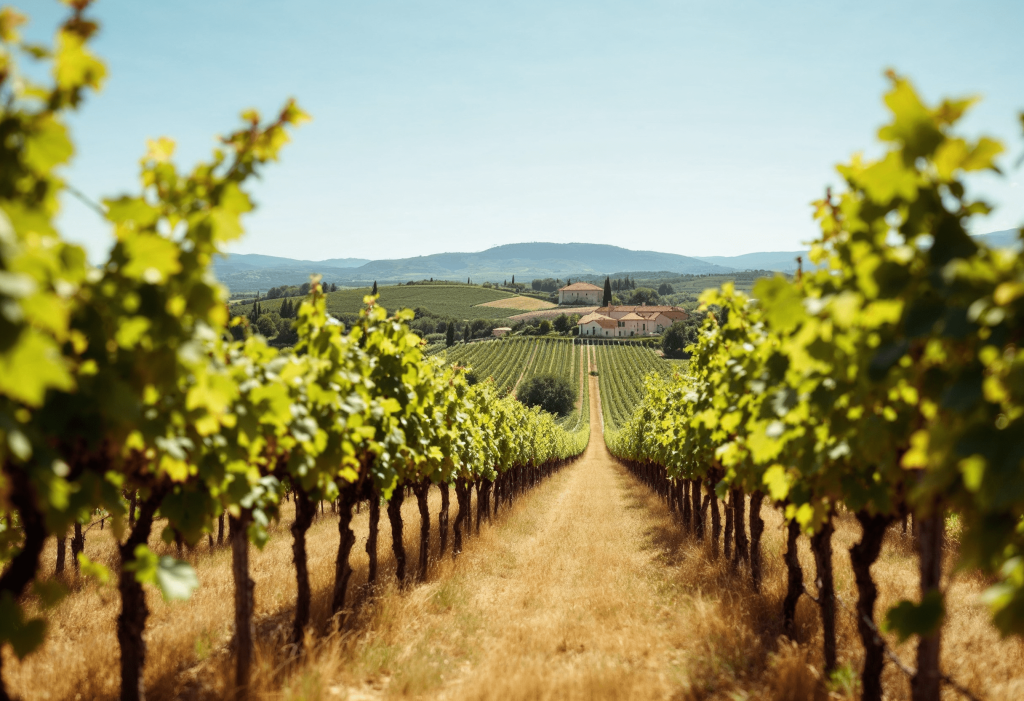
(374, 288)
(450, 338)
(607, 292)
(466, 333)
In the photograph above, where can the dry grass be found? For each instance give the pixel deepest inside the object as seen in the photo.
(529, 304)
(586, 589)
(188, 655)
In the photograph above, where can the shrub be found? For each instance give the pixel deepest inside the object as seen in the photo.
(266, 326)
(551, 393)
(286, 335)
(643, 295)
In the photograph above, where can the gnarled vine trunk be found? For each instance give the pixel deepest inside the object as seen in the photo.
(794, 580)
(704, 508)
(243, 602)
(397, 543)
(925, 685)
(756, 529)
(716, 520)
(442, 518)
(821, 546)
(862, 555)
(346, 541)
(480, 503)
(739, 504)
(727, 546)
(62, 549)
(131, 621)
(304, 511)
(461, 498)
(687, 511)
(77, 546)
(488, 490)
(371, 539)
(23, 567)
(132, 504)
(421, 489)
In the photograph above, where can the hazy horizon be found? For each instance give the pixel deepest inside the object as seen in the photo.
(420, 255)
(702, 129)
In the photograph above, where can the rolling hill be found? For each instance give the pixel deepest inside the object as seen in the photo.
(524, 260)
(785, 261)
(527, 261)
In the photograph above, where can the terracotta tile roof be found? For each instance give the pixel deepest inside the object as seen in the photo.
(601, 320)
(632, 316)
(581, 287)
(655, 308)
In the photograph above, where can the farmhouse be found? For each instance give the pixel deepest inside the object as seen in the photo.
(626, 321)
(580, 293)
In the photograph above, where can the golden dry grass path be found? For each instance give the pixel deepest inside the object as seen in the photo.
(564, 600)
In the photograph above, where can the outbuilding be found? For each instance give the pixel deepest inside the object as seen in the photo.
(581, 293)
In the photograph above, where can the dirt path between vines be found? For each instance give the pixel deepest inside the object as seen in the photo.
(570, 602)
(566, 599)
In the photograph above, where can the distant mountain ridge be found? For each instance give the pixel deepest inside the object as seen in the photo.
(785, 262)
(497, 264)
(527, 261)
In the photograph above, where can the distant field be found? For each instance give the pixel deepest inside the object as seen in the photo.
(552, 313)
(455, 301)
(526, 304)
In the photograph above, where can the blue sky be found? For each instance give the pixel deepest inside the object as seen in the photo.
(699, 127)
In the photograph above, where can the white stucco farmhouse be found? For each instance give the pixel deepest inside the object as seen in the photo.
(626, 321)
(581, 293)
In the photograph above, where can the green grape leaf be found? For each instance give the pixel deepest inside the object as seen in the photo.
(176, 579)
(151, 257)
(49, 146)
(777, 481)
(907, 618)
(32, 367)
(782, 302)
(94, 570)
(50, 591)
(23, 635)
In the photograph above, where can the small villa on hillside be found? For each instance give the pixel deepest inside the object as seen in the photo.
(622, 322)
(580, 293)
